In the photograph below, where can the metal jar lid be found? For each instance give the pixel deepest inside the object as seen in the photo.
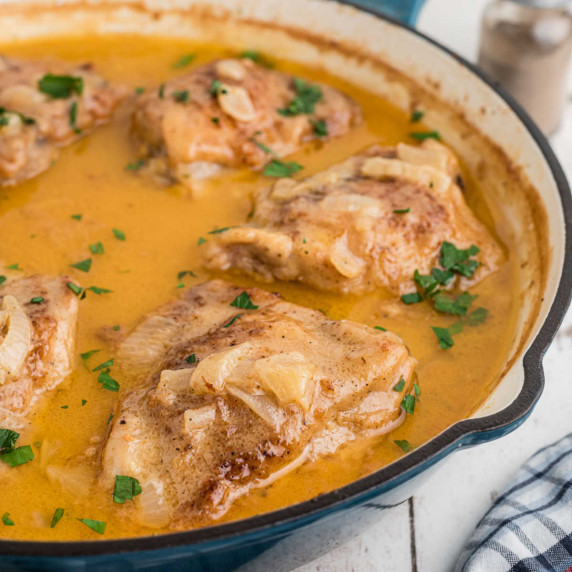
(546, 4)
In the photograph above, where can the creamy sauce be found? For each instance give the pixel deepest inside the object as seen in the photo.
(162, 227)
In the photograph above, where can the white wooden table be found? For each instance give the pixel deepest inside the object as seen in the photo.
(427, 533)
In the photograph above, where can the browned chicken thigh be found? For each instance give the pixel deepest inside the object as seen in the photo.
(369, 222)
(238, 388)
(45, 105)
(234, 113)
(38, 316)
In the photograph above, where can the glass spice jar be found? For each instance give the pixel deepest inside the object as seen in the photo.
(526, 46)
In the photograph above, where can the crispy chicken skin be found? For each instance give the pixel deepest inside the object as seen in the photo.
(208, 119)
(342, 230)
(38, 316)
(33, 124)
(227, 406)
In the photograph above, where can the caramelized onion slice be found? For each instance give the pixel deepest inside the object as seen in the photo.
(15, 345)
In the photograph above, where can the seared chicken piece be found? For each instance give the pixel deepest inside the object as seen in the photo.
(45, 105)
(234, 113)
(368, 222)
(38, 318)
(238, 389)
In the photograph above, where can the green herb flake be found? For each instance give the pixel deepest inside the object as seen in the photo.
(215, 120)
(97, 290)
(218, 231)
(444, 338)
(161, 91)
(60, 86)
(18, 456)
(264, 148)
(216, 87)
(58, 513)
(307, 95)
(191, 359)
(424, 135)
(399, 386)
(184, 61)
(408, 404)
(14, 266)
(380, 328)
(452, 305)
(118, 234)
(107, 382)
(320, 128)
(109, 419)
(232, 320)
(135, 166)
(417, 391)
(77, 216)
(413, 298)
(83, 402)
(36, 300)
(402, 211)
(404, 445)
(73, 118)
(184, 273)
(7, 520)
(116, 328)
(201, 241)
(8, 439)
(105, 365)
(243, 301)
(95, 525)
(83, 265)
(181, 96)
(416, 116)
(2, 279)
(477, 317)
(139, 90)
(64, 406)
(280, 169)
(86, 355)
(126, 488)
(97, 248)
(459, 260)
(257, 58)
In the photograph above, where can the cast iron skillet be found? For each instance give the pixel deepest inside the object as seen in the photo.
(283, 522)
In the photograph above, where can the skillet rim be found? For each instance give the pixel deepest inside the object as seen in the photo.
(462, 433)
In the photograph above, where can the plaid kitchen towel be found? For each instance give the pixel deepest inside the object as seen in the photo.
(529, 526)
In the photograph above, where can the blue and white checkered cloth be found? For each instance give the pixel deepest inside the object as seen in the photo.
(529, 526)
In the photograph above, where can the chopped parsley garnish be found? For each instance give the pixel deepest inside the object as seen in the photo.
(477, 317)
(181, 96)
(105, 365)
(99, 291)
(416, 116)
(86, 355)
(184, 273)
(83, 265)
(380, 328)
(452, 305)
(36, 300)
(423, 135)
(412, 298)
(97, 248)
(73, 118)
(417, 391)
(215, 120)
(201, 241)
(320, 128)
(58, 513)
(265, 148)
(14, 266)
(184, 61)
(126, 488)
(402, 211)
(64, 406)
(107, 382)
(232, 320)
(135, 166)
(243, 301)
(2, 279)
(399, 386)
(83, 402)
(77, 216)
(458, 260)
(7, 520)
(191, 359)
(404, 445)
(218, 231)
(216, 88)
(109, 418)
(5, 119)
(95, 525)
(408, 404)
(60, 86)
(161, 91)
(307, 95)
(139, 90)
(118, 234)
(444, 338)
(18, 456)
(8, 439)
(257, 58)
(116, 328)
(281, 169)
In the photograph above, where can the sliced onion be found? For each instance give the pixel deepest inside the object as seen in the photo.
(17, 341)
(199, 418)
(261, 405)
(153, 509)
(74, 480)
